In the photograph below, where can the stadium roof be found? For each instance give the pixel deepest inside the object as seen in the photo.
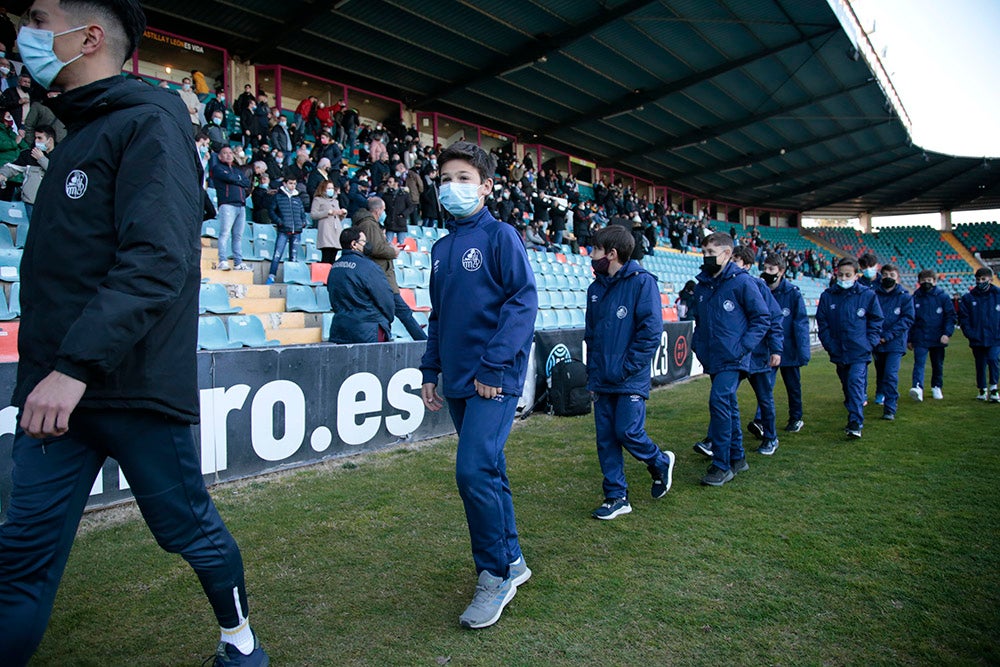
(756, 102)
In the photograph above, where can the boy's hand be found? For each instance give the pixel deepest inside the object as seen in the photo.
(432, 401)
(487, 392)
(774, 361)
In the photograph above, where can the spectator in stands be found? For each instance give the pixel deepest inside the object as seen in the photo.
(535, 239)
(850, 326)
(200, 84)
(8, 77)
(191, 103)
(108, 330)
(369, 219)
(685, 302)
(217, 103)
(731, 320)
(281, 139)
(250, 122)
(897, 309)
(40, 115)
(623, 329)
(933, 327)
(979, 317)
(481, 327)
(231, 188)
(869, 276)
(244, 100)
(397, 210)
(303, 110)
(321, 173)
(217, 135)
(10, 145)
(414, 184)
(289, 216)
(359, 294)
(31, 164)
(263, 194)
(796, 350)
(327, 148)
(17, 99)
(328, 214)
(430, 205)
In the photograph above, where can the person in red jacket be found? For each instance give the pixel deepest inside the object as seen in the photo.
(302, 111)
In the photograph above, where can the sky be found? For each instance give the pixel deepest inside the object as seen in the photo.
(943, 57)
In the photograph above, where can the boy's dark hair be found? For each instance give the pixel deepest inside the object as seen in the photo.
(484, 163)
(926, 273)
(890, 267)
(744, 254)
(847, 261)
(201, 135)
(349, 236)
(867, 260)
(290, 175)
(984, 273)
(617, 238)
(774, 259)
(124, 21)
(46, 130)
(718, 239)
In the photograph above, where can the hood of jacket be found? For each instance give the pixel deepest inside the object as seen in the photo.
(82, 105)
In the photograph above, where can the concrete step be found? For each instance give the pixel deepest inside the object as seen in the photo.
(226, 277)
(296, 336)
(259, 306)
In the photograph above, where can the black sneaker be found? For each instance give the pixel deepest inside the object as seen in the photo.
(663, 476)
(756, 429)
(704, 447)
(853, 431)
(889, 416)
(795, 426)
(716, 476)
(227, 655)
(739, 465)
(612, 507)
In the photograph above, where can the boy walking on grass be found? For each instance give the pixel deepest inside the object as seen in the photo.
(731, 319)
(623, 330)
(850, 326)
(979, 317)
(897, 309)
(933, 327)
(479, 335)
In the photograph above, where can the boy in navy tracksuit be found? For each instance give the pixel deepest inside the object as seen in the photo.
(623, 330)
(897, 309)
(933, 326)
(479, 335)
(731, 319)
(850, 326)
(979, 317)
(795, 332)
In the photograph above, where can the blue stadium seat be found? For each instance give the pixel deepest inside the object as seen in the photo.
(299, 298)
(22, 235)
(399, 332)
(544, 299)
(210, 229)
(404, 259)
(549, 319)
(214, 298)
(5, 313)
(6, 242)
(564, 319)
(423, 297)
(12, 212)
(420, 260)
(212, 335)
(264, 237)
(558, 299)
(310, 236)
(539, 319)
(578, 318)
(327, 321)
(411, 278)
(10, 266)
(249, 249)
(249, 330)
(298, 273)
(15, 299)
(421, 318)
(323, 298)
(425, 245)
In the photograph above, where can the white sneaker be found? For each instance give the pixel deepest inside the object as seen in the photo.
(222, 266)
(917, 393)
(936, 393)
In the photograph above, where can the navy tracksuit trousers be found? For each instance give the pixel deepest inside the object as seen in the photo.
(887, 379)
(724, 428)
(763, 388)
(52, 479)
(481, 473)
(620, 422)
(854, 381)
(791, 376)
(937, 366)
(986, 358)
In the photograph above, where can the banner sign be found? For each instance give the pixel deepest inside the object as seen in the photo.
(267, 409)
(813, 332)
(671, 362)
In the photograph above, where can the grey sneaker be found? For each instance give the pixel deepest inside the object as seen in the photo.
(853, 430)
(756, 429)
(242, 267)
(716, 476)
(994, 395)
(611, 508)
(222, 266)
(983, 395)
(768, 447)
(519, 572)
(663, 476)
(492, 595)
(739, 465)
(794, 426)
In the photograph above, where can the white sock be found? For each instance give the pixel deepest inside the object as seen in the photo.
(241, 637)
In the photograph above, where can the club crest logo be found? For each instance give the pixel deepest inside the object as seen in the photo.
(76, 184)
(621, 312)
(786, 311)
(559, 353)
(728, 306)
(472, 259)
(861, 312)
(939, 310)
(897, 311)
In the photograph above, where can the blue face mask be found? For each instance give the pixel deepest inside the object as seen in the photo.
(36, 52)
(460, 199)
(217, 121)
(329, 192)
(381, 217)
(845, 284)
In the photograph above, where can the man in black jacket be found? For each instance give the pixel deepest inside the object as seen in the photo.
(109, 320)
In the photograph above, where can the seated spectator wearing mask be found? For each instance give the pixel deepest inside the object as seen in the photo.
(31, 163)
(359, 294)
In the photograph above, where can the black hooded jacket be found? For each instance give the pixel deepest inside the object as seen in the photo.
(111, 267)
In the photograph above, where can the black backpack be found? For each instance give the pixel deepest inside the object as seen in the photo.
(568, 395)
